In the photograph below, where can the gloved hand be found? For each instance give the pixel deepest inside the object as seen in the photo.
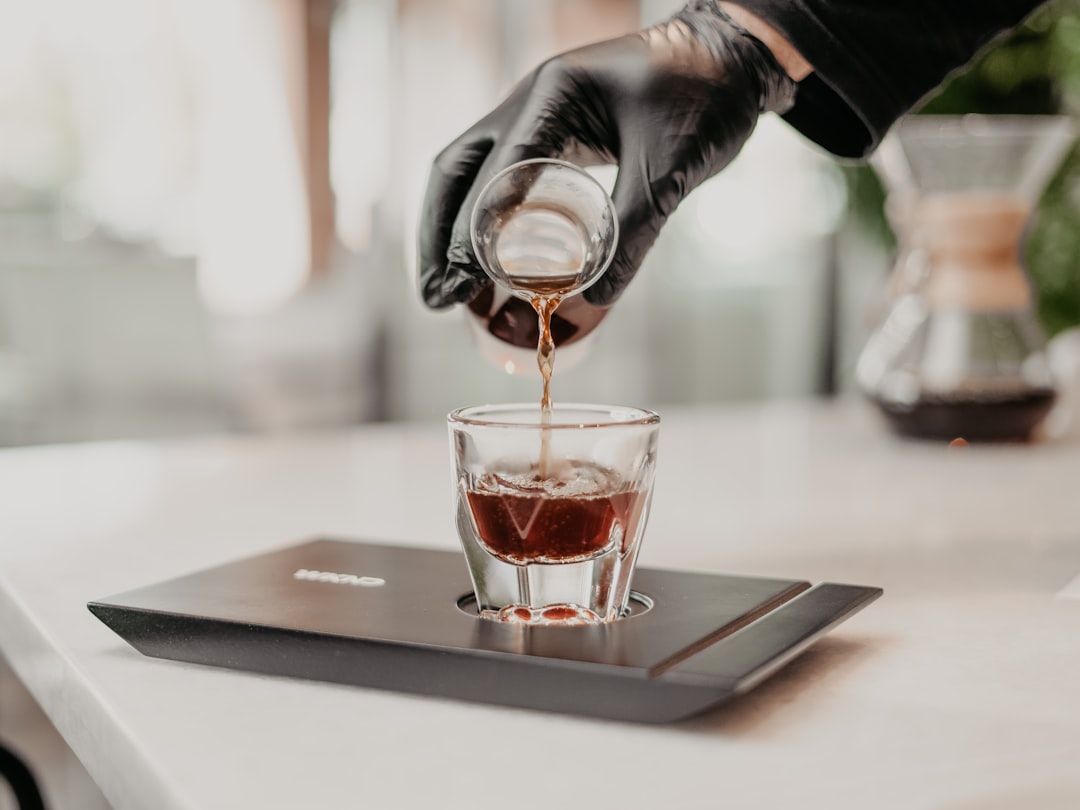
(671, 104)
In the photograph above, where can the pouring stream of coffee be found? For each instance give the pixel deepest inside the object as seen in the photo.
(542, 251)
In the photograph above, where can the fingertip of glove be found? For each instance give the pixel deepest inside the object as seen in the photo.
(443, 287)
(601, 294)
(457, 285)
(611, 284)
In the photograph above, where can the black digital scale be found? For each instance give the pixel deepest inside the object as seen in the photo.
(404, 619)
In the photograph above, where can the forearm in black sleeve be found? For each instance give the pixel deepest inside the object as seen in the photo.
(874, 59)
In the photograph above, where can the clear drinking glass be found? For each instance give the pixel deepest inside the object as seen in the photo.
(539, 227)
(551, 516)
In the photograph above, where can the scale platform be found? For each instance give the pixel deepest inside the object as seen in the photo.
(404, 619)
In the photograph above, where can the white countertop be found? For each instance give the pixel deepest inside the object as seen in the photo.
(959, 689)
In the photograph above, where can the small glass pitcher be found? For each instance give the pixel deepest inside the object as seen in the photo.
(539, 227)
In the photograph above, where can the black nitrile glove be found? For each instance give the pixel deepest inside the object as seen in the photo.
(671, 104)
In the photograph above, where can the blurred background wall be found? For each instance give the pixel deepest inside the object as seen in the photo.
(208, 220)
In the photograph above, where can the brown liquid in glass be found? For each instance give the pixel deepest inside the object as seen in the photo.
(526, 527)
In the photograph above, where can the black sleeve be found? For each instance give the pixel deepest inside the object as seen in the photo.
(874, 59)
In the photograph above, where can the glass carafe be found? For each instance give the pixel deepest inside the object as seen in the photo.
(959, 352)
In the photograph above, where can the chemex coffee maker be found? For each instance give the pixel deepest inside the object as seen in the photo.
(959, 353)
(544, 607)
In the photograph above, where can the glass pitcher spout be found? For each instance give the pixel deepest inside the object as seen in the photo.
(505, 330)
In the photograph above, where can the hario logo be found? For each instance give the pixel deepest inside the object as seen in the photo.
(338, 579)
